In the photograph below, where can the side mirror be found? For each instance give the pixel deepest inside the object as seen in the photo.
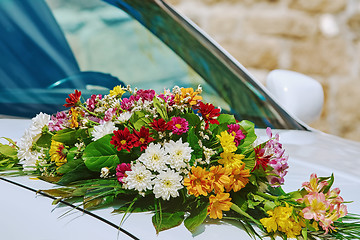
(300, 95)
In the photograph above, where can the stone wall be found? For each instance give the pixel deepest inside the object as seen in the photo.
(320, 38)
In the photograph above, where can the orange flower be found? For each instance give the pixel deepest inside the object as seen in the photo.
(188, 93)
(219, 178)
(74, 117)
(239, 178)
(220, 202)
(198, 183)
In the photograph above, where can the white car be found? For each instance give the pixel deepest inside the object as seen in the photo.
(154, 47)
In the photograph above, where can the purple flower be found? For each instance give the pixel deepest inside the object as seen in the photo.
(278, 161)
(235, 130)
(180, 125)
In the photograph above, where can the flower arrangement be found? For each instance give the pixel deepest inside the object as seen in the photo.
(178, 157)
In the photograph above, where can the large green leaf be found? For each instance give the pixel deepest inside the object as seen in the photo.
(80, 172)
(100, 154)
(226, 118)
(196, 217)
(70, 136)
(166, 220)
(138, 119)
(249, 128)
(44, 140)
(7, 150)
(192, 119)
(193, 141)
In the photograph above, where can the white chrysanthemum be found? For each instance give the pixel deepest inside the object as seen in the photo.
(38, 122)
(179, 154)
(123, 117)
(167, 184)
(103, 129)
(154, 157)
(139, 178)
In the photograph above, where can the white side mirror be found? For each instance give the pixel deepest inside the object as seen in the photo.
(299, 94)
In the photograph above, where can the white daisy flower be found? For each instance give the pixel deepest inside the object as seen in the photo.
(167, 184)
(38, 122)
(154, 157)
(179, 154)
(139, 178)
(103, 129)
(123, 117)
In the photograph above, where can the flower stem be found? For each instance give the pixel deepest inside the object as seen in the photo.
(237, 209)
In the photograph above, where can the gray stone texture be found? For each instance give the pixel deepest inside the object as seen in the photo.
(292, 34)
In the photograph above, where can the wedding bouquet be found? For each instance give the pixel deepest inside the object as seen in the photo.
(181, 159)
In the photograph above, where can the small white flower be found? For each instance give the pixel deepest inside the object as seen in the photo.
(139, 178)
(123, 117)
(167, 184)
(179, 154)
(154, 157)
(103, 129)
(104, 173)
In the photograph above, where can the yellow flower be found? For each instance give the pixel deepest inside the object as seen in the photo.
(227, 141)
(188, 95)
(74, 118)
(219, 178)
(231, 160)
(117, 91)
(281, 219)
(57, 153)
(238, 178)
(220, 202)
(198, 182)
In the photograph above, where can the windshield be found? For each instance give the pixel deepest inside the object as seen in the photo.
(99, 46)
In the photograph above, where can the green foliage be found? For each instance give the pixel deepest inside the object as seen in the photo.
(197, 216)
(70, 136)
(100, 154)
(166, 220)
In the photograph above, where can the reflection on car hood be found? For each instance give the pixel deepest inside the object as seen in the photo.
(309, 151)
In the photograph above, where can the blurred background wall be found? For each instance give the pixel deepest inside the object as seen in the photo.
(319, 38)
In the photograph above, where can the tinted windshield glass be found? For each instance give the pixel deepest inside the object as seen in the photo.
(109, 48)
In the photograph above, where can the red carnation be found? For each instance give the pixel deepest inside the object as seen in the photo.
(209, 113)
(73, 99)
(143, 138)
(122, 139)
(161, 125)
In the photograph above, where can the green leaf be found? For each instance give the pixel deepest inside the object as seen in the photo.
(304, 233)
(160, 108)
(70, 165)
(226, 118)
(70, 136)
(44, 140)
(138, 119)
(100, 154)
(249, 128)
(193, 141)
(8, 151)
(9, 140)
(81, 172)
(196, 217)
(192, 119)
(167, 220)
(330, 183)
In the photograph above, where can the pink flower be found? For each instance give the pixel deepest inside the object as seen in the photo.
(109, 114)
(91, 102)
(121, 170)
(128, 103)
(235, 130)
(145, 95)
(58, 122)
(180, 125)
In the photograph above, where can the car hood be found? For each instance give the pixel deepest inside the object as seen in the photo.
(309, 152)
